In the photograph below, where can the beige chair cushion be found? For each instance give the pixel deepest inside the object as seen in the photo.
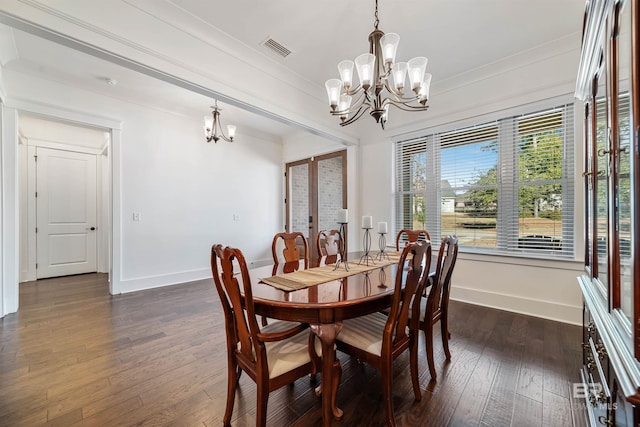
(276, 325)
(286, 355)
(364, 332)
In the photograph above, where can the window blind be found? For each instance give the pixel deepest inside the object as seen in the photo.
(504, 186)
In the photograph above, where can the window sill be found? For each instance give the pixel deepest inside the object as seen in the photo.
(564, 264)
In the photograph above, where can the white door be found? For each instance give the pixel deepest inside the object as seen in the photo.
(66, 212)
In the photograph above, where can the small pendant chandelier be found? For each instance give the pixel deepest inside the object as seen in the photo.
(375, 93)
(213, 129)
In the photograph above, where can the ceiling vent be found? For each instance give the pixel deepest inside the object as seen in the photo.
(276, 47)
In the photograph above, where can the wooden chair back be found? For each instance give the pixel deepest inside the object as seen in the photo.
(329, 245)
(294, 248)
(240, 328)
(436, 307)
(417, 256)
(411, 236)
(438, 299)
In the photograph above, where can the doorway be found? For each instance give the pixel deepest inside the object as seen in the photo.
(316, 191)
(65, 198)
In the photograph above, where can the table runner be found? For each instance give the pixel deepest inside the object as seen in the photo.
(302, 279)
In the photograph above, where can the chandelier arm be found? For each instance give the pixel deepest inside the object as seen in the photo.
(404, 106)
(354, 117)
(357, 104)
(398, 96)
(222, 135)
(353, 90)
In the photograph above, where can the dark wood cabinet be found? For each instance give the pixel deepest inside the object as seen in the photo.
(608, 85)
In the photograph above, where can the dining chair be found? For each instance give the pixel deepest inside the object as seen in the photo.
(411, 236)
(272, 356)
(435, 306)
(290, 245)
(328, 244)
(378, 339)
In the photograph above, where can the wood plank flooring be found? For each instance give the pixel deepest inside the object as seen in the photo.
(75, 356)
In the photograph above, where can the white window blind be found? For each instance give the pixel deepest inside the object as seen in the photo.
(501, 187)
(411, 182)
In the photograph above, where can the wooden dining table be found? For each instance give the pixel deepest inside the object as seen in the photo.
(324, 307)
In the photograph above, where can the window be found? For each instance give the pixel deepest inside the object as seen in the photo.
(500, 187)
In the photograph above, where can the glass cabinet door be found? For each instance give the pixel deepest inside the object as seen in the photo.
(601, 171)
(588, 189)
(621, 157)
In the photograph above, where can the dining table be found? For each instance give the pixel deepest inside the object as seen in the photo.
(348, 291)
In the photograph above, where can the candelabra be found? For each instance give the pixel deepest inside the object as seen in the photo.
(342, 249)
(366, 242)
(382, 244)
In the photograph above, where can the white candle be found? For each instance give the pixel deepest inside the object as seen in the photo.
(343, 216)
(367, 222)
(382, 227)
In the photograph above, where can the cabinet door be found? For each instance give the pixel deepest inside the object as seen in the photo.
(621, 128)
(589, 189)
(601, 172)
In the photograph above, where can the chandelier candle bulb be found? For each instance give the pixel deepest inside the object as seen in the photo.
(343, 216)
(417, 68)
(424, 90)
(364, 66)
(367, 222)
(231, 130)
(345, 68)
(382, 227)
(389, 43)
(333, 91)
(399, 75)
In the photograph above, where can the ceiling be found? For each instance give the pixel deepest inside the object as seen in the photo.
(455, 35)
(458, 36)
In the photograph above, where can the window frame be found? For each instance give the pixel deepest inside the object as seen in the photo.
(507, 216)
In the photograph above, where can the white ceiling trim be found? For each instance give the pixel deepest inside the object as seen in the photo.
(213, 89)
(172, 15)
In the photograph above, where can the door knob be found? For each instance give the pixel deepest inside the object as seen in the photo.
(92, 228)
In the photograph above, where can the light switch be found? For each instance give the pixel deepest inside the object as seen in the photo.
(136, 216)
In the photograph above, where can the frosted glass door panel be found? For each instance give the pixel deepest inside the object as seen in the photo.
(329, 192)
(299, 194)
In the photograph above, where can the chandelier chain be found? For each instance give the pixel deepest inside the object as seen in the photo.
(377, 21)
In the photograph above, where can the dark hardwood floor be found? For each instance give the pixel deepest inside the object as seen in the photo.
(74, 355)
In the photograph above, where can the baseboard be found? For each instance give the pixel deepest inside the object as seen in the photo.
(142, 283)
(531, 307)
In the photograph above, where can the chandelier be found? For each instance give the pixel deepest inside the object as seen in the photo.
(376, 93)
(213, 129)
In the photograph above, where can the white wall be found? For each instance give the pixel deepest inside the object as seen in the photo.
(540, 288)
(185, 189)
(9, 266)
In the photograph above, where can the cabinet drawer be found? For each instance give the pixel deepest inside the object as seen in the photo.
(597, 393)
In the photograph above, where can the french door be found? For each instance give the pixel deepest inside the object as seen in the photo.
(316, 191)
